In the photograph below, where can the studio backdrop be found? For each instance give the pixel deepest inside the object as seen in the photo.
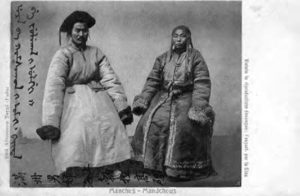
(131, 35)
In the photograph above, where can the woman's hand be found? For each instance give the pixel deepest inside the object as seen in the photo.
(139, 110)
(139, 105)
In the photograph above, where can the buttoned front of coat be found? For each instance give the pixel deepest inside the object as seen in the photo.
(82, 98)
(176, 93)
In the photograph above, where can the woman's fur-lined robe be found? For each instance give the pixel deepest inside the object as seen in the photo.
(175, 130)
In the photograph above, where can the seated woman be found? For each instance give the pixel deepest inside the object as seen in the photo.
(84, 103)
(174, 134)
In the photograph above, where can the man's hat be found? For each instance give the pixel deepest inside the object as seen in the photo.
(77, 16)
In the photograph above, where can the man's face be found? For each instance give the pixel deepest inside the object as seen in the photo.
(80, 33)
(179, 38)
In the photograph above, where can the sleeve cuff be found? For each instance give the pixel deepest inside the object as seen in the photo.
(202, 115)
(140, 105)
(126, 116)
(120, 104)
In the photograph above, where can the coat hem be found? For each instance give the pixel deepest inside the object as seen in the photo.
(80, 164)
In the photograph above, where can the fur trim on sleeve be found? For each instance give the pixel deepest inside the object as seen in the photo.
(140, 105)
(126, 116)
(48, 132)
(202, 115)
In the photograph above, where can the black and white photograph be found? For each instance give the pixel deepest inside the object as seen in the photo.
(149, 97)
(126, 94)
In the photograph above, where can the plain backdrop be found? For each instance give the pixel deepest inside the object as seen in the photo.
(270, 41)
(132, 35)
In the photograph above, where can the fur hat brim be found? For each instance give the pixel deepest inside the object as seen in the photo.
(77, 16)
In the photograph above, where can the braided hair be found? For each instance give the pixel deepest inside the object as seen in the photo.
(189, 43)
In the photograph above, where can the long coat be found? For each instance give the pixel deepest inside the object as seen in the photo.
(82, 97)
(176, 129)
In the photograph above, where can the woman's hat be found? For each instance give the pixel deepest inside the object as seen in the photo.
(77, 16)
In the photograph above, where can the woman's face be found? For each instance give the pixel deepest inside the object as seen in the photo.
(80, 33)
(179, 38)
